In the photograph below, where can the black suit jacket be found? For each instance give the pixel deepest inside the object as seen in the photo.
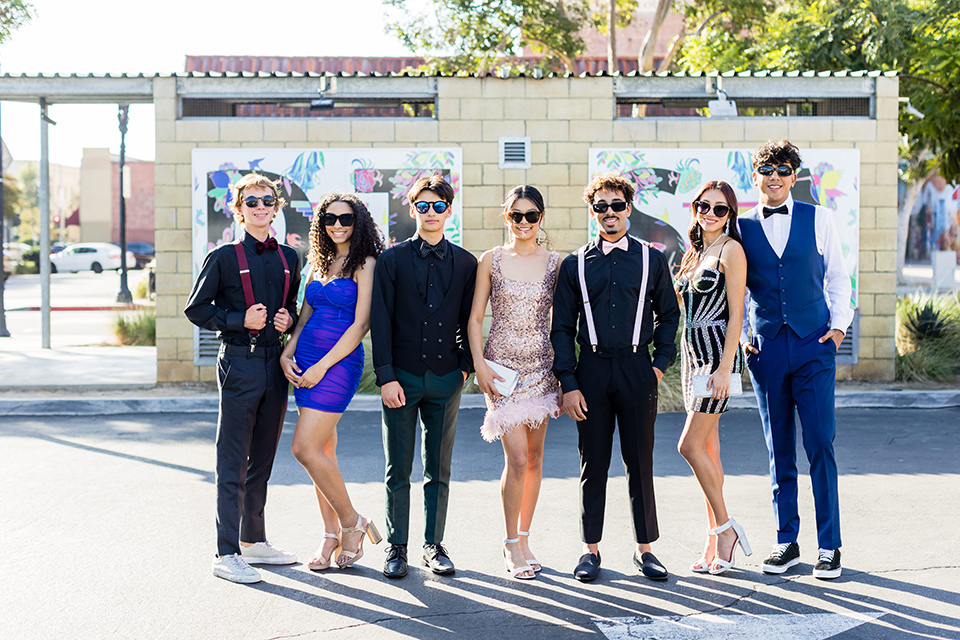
(403, 331)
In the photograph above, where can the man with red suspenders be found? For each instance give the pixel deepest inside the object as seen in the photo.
(247, 293)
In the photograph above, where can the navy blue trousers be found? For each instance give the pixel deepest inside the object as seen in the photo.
(798, 375)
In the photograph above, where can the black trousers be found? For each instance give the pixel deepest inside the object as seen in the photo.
(620, 391)
(253, 404)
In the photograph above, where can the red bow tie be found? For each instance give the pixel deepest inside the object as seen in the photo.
(270, 244)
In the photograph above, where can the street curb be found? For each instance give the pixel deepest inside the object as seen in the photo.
(85, 406)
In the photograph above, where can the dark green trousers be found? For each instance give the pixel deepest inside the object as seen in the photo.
(435, 400)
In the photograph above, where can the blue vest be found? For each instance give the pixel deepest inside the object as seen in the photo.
(786, 289)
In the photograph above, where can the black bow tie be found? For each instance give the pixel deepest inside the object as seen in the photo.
(439, 249)
(767, 211)
(270, 244)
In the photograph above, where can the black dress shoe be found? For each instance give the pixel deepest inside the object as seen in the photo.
(435, 557)
(588, 568)
(649, 566)
(396, 564)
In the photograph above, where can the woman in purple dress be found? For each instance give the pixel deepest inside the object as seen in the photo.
(324, 359)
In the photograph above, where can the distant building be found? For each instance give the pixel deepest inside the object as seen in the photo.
(100, 197)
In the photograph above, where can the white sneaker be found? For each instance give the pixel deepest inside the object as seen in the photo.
(266, 553)
(235, 569)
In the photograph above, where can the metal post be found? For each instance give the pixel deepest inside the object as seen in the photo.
(4, 332)
(44, 225)
(124, 295)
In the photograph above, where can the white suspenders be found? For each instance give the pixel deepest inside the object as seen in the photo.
(588, 310)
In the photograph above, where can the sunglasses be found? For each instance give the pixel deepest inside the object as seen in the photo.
(345, 219)
(532, 217)
(783, 170)
(703, 208)
(268, 201)
(439, 206)
(616, 205)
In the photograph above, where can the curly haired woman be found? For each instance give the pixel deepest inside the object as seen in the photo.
(324, 359)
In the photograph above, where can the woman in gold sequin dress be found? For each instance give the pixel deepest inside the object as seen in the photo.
(518, 280)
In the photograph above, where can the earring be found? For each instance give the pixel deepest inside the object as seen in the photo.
(540, 235)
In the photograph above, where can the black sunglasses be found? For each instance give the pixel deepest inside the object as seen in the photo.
(703, 208)
(783, 170)
(345, 219)
(532, 217)
(439, 206)
(268, 201)
(616, 205)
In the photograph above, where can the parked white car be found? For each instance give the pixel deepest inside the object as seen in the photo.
(89, 256)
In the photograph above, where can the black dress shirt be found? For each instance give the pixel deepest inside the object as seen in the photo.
(613, 282)
(217, 301)
(421, 304)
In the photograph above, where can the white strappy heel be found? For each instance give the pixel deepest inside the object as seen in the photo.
(516, 571)
(721, 564)
(533, 562)
(703, 564)
(317, 562)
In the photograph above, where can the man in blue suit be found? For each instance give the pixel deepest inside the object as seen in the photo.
(799, 309)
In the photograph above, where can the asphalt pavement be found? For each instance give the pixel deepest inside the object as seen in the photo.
(109, 533)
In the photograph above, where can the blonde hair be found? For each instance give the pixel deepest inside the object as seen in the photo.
(248, 181)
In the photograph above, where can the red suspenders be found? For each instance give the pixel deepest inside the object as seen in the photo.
(248, 284)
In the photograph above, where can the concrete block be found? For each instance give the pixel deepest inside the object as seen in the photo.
(888, 87)
(569, 109)
(492, 174)
(888, 129)
(634, 130)
(888, 108)
(878, 239)
(166, 260)
(764, 129)
(185, 262)
(284, 130)
(208, 374)
(459, 87)
(876, 326)
(866, 262)
(548, 174)
(810, 130)
(513, 177)
(448, 109)
(879, 196)
(176, 371)
(481, 108)
(165, 131)
(866, 302)
(557, 196)
(164, 88)
(548, 131)
(886, 261)
(868, 218)
(578, 174)
(714, 130)
(174, 283)
(886, 217)
(241, 130)
(593, 131)
(567, 241)
(873, 369)
(878, 282)
(493, 129)
(478, 152)
(880, 152)
(332, 130)
(480, 240)
(504, 87)
(165, 110)
(548, 88)
(592, 87)
(885, 348)
(887, 174)
(603, 108)
(167, 306)
(166, 347)
(567, 152)
(184, 218)
(525, 109)
(173, 152)
(868, 174)
(857, 130)
(418, 130)
(373, 131)
(492, 217)
(865, 348)
(164, 174)
(885, 304)
(678, 130)
(165, 217)
(173, 240)
(172, 196)
(184, 174)
(472, 174)
(538, 152)
(197, 130)
(460, 131)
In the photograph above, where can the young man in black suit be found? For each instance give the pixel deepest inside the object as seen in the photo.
(247, 292)
(422, 294)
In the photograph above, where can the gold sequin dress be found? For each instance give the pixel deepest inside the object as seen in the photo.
(520, 340)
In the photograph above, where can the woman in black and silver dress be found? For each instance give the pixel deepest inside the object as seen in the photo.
(710, 285)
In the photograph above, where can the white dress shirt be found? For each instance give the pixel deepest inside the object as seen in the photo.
(836, 279)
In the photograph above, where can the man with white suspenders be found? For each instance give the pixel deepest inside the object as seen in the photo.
(614, 296)
(247, 292)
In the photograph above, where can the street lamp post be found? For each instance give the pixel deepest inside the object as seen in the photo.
(124, 295)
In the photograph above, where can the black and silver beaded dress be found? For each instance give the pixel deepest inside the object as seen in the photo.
(706, 314)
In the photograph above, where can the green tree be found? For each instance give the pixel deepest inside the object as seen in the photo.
(11, 198)
(13, 15)
(29, 202)
(477, 36)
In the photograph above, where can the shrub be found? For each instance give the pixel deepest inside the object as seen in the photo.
(928, 337)
(138, 329)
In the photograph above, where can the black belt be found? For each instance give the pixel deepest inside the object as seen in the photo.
(244, 350)
(616, 352)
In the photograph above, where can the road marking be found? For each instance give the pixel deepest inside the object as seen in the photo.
(814, 626)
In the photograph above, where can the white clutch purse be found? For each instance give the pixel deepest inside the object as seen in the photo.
(510, 378)
(700, 385)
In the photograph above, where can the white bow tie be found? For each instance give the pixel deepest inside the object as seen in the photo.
(607, 247)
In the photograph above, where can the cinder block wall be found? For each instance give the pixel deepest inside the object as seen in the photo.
(564, 117)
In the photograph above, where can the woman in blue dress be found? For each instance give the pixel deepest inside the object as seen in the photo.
(324, 359)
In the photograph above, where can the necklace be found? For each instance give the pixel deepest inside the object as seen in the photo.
(704, 252)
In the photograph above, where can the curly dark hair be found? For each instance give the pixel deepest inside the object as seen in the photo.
(776, 153)
(365, 242)
(610, 182)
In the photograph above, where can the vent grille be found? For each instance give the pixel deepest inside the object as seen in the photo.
(514, 153)
(847, 353)
(207, 347)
